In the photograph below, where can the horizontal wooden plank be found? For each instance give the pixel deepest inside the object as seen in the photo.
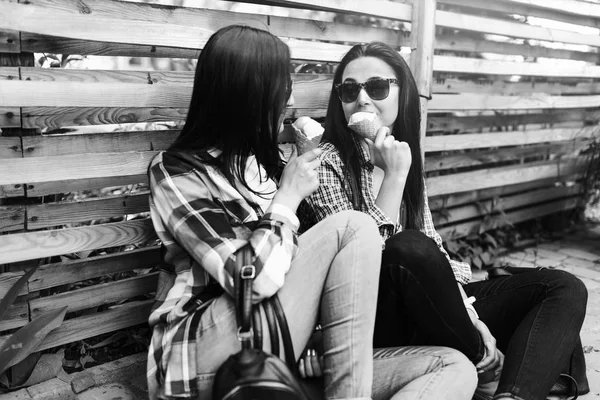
(485, 157)
(8, 279)
(34, 245)
(10, 147)
(148, 78)
(35, 43)
(465, 198)
(139, 23)
(98, 89)
(573, 7)
(12, 218)
(92, 209)
(16, 316)
(504, 204)
(467, 228)
(462, 43)
(110, 142)
(503, 139)
(96, 295)
(10, 41)
(505, 87)
(448, 102)
(9, 73)
(10, 117)
(510, 120)
(58, 117)
(481, 66)
(512, 29)
(35, 170)
(547, 11)
(374, 8)
(481, 179)
(73, 185)
(124, 316)
(68, 272)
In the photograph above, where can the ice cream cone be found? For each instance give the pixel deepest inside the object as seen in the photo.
(366, 124)
(308, 134)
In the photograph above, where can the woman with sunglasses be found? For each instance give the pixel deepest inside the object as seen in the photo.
(220, 188)
(425, 298)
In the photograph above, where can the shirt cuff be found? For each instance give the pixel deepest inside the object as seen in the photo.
(285, 212)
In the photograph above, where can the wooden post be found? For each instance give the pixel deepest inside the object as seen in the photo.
(422, 43)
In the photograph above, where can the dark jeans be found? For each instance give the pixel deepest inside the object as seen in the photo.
(535, 316)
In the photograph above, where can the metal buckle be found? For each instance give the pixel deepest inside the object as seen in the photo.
(245, 336)
(248, 272)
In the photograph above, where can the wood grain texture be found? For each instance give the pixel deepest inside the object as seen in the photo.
(12, 218)
(92, 209)
(10, 41)
(486, 178)
(505, 204)
(110, 142)
(548, 10)
(58, 117)
(96, 295)
(67, 272)
(34, 245)
(10, 147)
(10, 117)
(467, 228)
(16, 316)
(126, 315)
(480, 66)
(35, 170)
(8, 279)
(466, 198)
(449, 102)
(507, 121)
(512, 29)
(580, 8)
(482, 158)
(503, 139)
(506, 88)
(73, 185)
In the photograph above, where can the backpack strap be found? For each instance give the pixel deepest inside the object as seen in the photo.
(243, 277)
(272, 323)
(288, 346)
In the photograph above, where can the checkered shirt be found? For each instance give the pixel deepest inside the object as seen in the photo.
(202, 221)
(334, 195)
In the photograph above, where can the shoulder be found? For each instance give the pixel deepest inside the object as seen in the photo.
(175, 163)
(330, 154)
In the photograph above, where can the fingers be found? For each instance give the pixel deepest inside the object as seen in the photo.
(308, 364)
(382, 134)
(301, 368)
(311, 365)
(491, 358)
(294, 154)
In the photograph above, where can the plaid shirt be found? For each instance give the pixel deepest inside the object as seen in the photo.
(202, 221)
(333, 196)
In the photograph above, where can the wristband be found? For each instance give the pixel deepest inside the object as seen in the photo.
(469, 305)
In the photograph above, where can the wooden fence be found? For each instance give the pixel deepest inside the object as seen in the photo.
(505, 128)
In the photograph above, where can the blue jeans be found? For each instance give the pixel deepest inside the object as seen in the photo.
(335, 275)
(535, 316)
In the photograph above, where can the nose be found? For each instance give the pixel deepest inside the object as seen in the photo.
(363, 97)
(290, 101)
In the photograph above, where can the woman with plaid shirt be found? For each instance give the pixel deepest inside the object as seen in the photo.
(220, 188)
(425, 298)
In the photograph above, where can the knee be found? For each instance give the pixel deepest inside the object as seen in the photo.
(570, 287)
(416, 252)
(358, 221)
(466, 371)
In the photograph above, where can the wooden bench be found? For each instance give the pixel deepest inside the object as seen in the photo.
(76, 203)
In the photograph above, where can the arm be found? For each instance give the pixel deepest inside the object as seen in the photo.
(186, 207)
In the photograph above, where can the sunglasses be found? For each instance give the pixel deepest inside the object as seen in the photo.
(377, 89)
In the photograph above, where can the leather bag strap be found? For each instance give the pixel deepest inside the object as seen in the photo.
(272, 323)
(244, 275)
(288, 346)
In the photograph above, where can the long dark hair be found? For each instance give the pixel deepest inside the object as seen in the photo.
(406, 128)
(241, 87)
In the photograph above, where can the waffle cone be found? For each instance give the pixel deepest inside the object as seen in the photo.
(303, 143)
(366, 126)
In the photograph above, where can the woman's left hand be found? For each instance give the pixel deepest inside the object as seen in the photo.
(311, 364)
(493, 358)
